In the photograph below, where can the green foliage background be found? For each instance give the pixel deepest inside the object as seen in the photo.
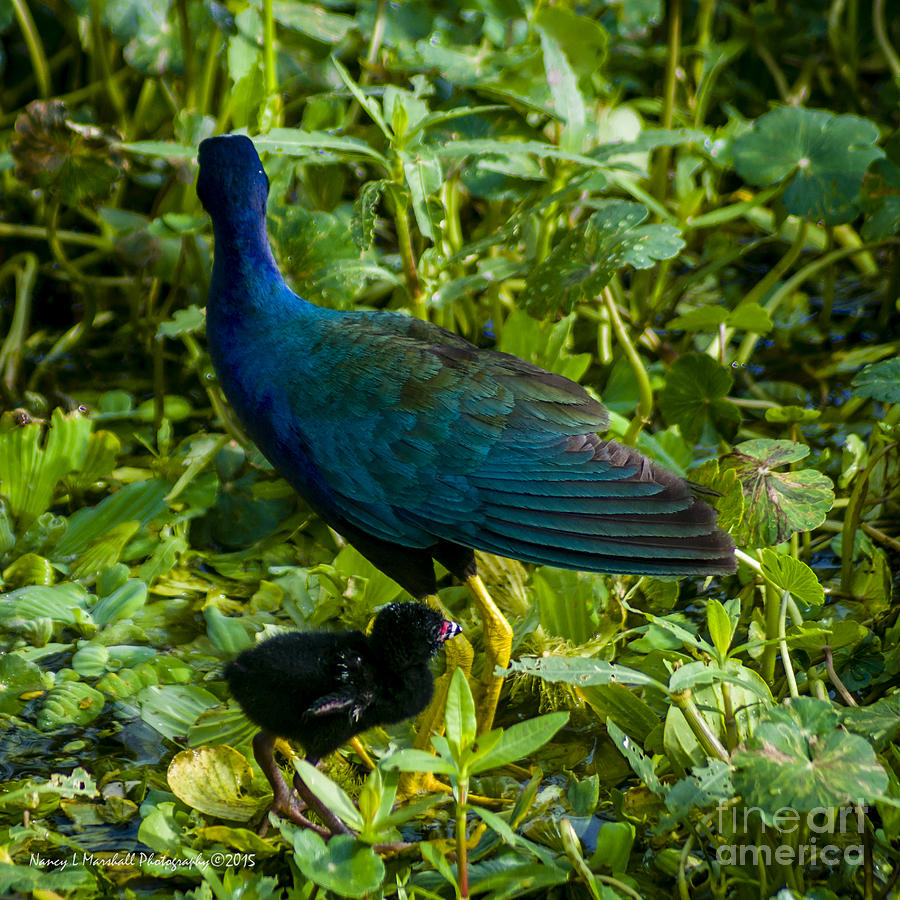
(690, 208)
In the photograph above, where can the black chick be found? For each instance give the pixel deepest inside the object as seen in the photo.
(323, 688)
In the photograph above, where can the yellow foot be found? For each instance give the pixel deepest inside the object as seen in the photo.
(497, 646)
(412, 783)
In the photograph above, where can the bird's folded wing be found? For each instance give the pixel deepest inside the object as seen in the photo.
(441, 440)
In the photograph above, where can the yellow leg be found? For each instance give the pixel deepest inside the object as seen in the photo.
(497, 647)
(459, 655)
(356, 744)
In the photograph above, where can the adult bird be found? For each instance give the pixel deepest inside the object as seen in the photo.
(417, 446)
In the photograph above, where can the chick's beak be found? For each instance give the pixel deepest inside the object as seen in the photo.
(448, 630)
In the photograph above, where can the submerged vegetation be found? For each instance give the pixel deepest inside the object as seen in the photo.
(690, 208)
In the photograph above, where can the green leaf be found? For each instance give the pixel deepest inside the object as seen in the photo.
(183, 321)
(568, 602)
(777, 504)
(794, 576)
(824, 156)
(296, 143)
(694, 397)
(313, 21)
(30, 469)
(424, 178)
(587, 257)
(580, 671)
(460, 714)
(138, 502)
(721, 627)
(567, 99)
(73, 161)
(121, 603)
(362, 225)
(880, 381)
(616, 702)
(331, 794)
(639, 762)
(519, 741)
(70, 703)
(18, 676)
(172, 709)
(343, 865)
(418, 761)
(798, 757)
(215, 781)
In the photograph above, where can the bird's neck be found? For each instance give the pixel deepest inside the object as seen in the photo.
(245, 274)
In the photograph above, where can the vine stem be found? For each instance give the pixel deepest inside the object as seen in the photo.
(881, 36)
(35, 47)
(661, 160)
(645, 405)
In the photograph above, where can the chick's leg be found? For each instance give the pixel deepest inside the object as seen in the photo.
(497, 648)
(283, 801)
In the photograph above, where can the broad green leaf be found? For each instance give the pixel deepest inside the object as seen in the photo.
(18, 676)
(694, 397)
(184, 321)
(31, 468)
(167, 149)
(362, 225)
(138, 502)
(460, 714)
(121, 603)
(879, 722)
(90, 659)
(294, 142)
(171, 709)
(794, 576)
(66, 603)
(824, 155)
(331, 794)
(616, 702)
(343, 865)
(71, 160)
(587, 257)
(70, 703)
(423, 178)
(520, 740)
(880, 200)
(706, 786)
(572, 670)
(880, 381)
(563, 84)
(799, 757)
(215, 781)
(568, 602)
(777, 503)
(418, 761)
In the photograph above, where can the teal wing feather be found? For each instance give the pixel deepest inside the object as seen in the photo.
(440, 440)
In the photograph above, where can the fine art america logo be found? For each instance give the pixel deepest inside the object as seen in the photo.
(820, 837)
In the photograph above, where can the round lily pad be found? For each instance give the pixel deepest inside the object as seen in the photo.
(824, 156)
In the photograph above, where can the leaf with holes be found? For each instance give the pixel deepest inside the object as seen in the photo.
(585, 260)
(777, 503)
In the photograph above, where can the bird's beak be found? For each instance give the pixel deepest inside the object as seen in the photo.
(448, 630)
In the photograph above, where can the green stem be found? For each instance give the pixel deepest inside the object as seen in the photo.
(42, 234)
(462, 858)
(828, 287)
(35, 47)
(23, 266)
(852, 516)
(770, 651)
(645, 405)
(707, 738)
(187, 50)
(660, 177)
(208, 78)
(783, 647)
(881, 36)
(101, 57)
(407, 254)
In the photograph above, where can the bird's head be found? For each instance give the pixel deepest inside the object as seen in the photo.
(411, 633)
(232, 184)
